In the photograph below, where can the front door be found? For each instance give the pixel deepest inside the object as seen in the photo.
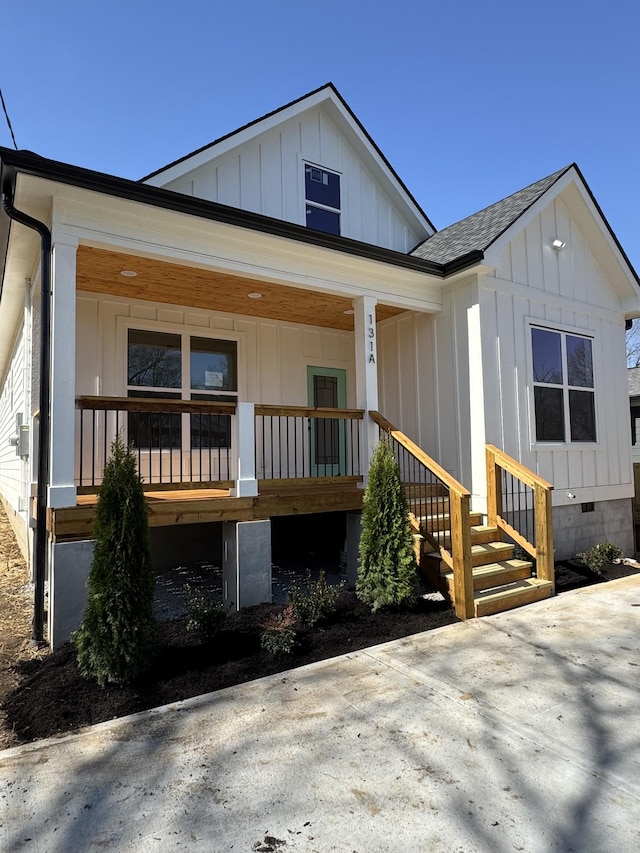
(327, 390)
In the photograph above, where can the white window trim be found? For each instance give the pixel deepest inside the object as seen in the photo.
(567, 445)
(186, 332)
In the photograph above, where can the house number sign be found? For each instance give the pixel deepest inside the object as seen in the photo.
(371, 340)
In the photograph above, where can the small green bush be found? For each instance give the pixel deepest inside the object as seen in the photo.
(595, 557)
(114, 644)
(319, 600)
(279, 632)
(206, 614)
(387, 571)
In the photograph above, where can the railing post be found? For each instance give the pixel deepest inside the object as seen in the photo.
(246, 482)
(461, 553)
(545, 567)
(494, 489)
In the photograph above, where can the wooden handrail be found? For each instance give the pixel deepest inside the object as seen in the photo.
(459, 558)
(154, 404)
(308, 412)
(446, 478)
(529, 477)
(542, 551)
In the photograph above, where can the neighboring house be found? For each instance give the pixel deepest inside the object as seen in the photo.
(254, 314)
(633, 377)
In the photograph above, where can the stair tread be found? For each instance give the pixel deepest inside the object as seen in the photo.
(499, 567)
(512, 589)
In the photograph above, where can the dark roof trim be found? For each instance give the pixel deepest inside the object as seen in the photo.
(282, 109)
(606, 222)
(32, 164)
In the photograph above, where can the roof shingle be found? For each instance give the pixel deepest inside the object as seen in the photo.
(478, 231)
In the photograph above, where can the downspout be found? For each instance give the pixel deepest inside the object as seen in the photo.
(40, 549)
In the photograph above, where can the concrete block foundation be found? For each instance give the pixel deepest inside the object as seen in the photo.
(575, 530)
(68, 574)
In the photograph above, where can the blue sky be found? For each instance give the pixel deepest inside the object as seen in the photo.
(469, 101)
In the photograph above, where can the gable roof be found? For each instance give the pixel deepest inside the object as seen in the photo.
(327, 94)
(478, 231)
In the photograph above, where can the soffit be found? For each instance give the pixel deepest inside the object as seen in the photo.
(99, 271)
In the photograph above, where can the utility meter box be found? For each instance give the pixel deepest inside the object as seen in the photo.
(20, 440)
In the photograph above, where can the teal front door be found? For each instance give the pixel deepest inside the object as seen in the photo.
(327, 389)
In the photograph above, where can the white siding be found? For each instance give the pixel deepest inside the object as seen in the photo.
(266, 175)
(13, 469)
(272, 356)
(566, 290)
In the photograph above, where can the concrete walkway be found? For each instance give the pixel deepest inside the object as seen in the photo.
(520, 731)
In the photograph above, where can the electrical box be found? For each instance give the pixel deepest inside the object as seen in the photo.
(20, 440)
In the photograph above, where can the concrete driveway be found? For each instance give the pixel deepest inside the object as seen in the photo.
(520, 731)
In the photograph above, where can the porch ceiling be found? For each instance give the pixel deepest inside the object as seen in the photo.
(99, 271)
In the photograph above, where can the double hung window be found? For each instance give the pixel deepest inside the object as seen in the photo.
(563, 386)
(322, 199)
(166, 366)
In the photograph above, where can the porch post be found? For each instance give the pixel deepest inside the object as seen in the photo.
(246, 482)
(366, 353)
(62, 489)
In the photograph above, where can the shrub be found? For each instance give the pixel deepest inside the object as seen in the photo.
(206, 614)
(115, 640)
(319, 600)
(279, 632)
(595, 557)
(387, 571)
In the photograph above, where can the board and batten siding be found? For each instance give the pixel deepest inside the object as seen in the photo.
(272, 356)
(567, 291)
(266, 175)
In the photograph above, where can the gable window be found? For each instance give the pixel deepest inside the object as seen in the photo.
(180, 367)
(322, 199)
(563, 386)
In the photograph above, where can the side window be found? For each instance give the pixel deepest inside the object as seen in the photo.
(563, 386)
(322, 199)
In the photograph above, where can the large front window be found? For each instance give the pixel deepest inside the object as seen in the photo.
(563, 386)
(174, 367)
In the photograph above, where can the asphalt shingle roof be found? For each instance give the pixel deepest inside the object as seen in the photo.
(478, 231)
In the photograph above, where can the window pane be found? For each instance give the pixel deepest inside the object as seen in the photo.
(213, 365)
(210, 430)
(547, 356)
(321, 186)
(155, 430)
(153, 359)
(579, 361)
(583, 416)
(323, 220)
(549, 413)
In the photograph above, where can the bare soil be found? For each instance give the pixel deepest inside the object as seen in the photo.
(43, 694)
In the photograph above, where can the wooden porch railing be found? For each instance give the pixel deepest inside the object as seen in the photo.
(441, 509)
(178, 443)
(300, 442)
(519, 503)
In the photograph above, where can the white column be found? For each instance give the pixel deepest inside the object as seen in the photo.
(62, 490)
(366, 373)
(246, 482)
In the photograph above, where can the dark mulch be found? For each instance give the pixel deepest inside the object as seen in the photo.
(52, 697)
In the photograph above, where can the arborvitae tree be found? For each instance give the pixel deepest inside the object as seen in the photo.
(387, 571)
(114, 642)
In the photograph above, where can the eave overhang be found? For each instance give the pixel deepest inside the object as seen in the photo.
(25, 162)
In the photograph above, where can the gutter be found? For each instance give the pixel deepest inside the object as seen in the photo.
(32, 164)
(8, 178)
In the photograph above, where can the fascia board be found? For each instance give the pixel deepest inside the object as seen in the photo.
(235, 139)
(116, 224)
(572, 180)
(324, 97)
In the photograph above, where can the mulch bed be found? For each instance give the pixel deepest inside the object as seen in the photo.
(52, 697)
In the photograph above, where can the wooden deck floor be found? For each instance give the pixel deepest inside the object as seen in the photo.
(192, 506)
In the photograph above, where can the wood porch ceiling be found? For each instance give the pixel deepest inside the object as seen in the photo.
(98, 271)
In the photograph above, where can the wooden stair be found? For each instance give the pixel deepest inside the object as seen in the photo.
(500, 581)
